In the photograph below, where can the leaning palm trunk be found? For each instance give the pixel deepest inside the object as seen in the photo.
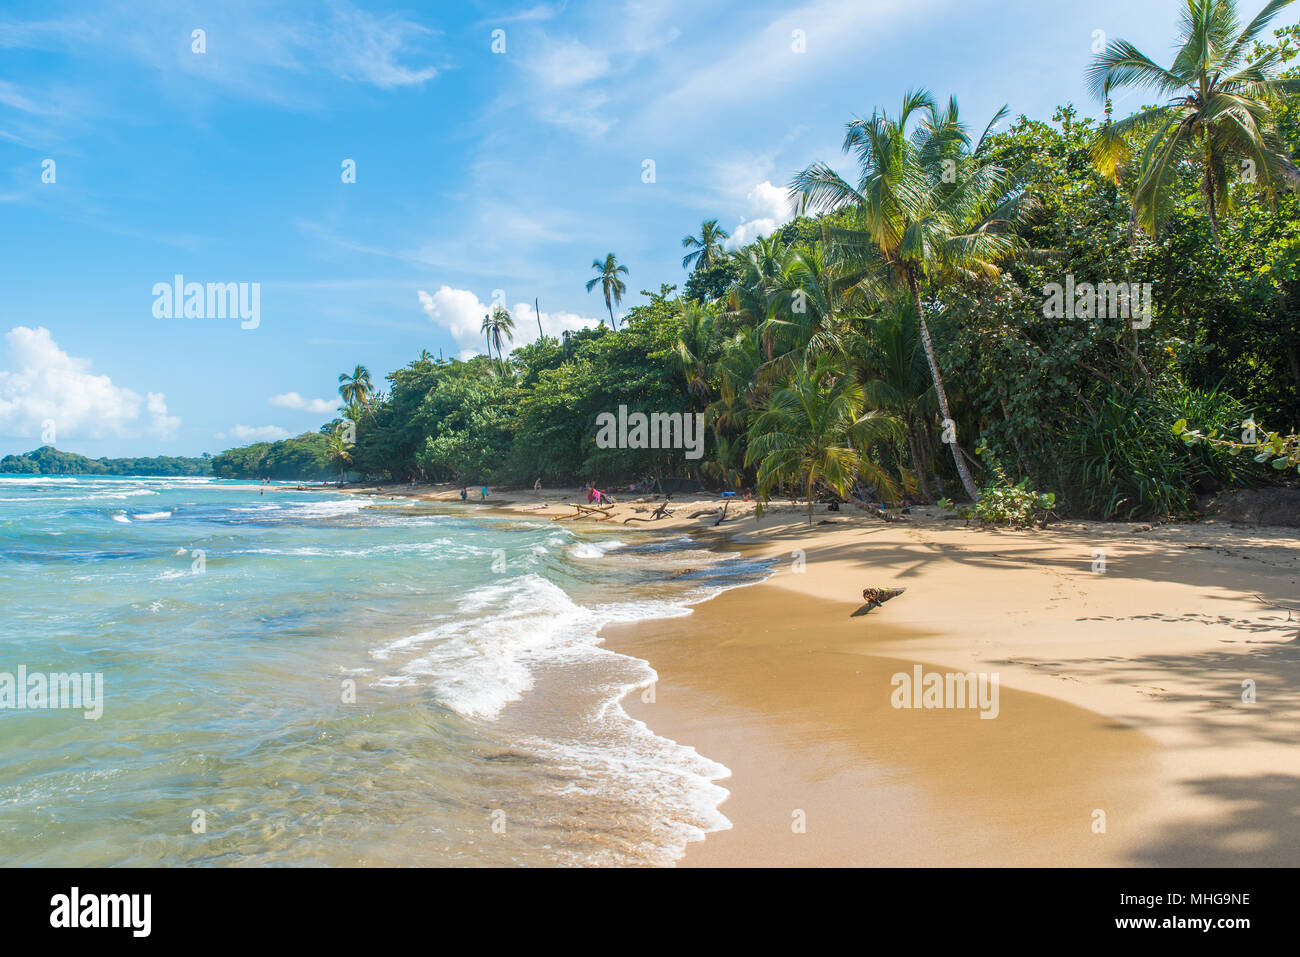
(967, 482)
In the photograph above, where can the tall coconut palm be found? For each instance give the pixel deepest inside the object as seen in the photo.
(1217, 114)
(887, 357)
(738, 372)
(355, 388)
(496, 325)
(339, 453)
(927, 205)
(760, 260)
(816, 432)
(801, 321)
(613, 287)
(706, 248)
(695, 346)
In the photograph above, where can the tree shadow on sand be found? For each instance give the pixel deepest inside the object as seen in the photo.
(1258, 829)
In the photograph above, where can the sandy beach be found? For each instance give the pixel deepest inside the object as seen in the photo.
(1124, 688)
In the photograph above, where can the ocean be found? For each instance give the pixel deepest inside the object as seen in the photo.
(311, 678)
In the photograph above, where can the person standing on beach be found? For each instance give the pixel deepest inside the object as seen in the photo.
(483, 494)
(464, 494)
(537, 486)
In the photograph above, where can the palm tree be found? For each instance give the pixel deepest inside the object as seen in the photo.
(339, 452)
(1217, 115)
(815, 432)
(801, 322)
(926, 205)
(887, 358)
(610, 284)
(694, 347)
(739, 374)
(355, 388)
(495, 325)
(706, 247)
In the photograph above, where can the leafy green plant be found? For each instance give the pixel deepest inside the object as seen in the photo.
(1280, 451)
(1016, 506)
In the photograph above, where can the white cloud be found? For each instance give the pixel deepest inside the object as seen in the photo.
(553, 323)
(367, 48)
(265, 53)
(569, 62)
(762, 66)
(767, 209)
(292, 400)
(255, 433)
(461, 313)
(45, 384)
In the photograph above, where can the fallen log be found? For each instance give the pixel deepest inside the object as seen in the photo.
(875, 597)
(657, 514)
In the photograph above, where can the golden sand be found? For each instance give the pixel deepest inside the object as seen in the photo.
(1124, 691)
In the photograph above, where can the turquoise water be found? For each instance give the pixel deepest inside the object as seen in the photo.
(314, 678)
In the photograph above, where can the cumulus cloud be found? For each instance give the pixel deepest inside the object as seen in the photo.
(767, 209)
(255, 433)
(43, 384)
(292, 400)
(461, 313)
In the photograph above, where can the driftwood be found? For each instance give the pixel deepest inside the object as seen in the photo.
(1276, 605)
(591, 511)
(875, 597)
(657, 514)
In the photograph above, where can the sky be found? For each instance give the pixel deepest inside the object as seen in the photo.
(497, 149)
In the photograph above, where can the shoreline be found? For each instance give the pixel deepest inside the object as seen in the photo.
(1121, 691)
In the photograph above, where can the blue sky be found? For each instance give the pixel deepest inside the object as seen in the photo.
(475, 172)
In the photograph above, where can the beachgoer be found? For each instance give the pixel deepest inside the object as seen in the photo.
(483, 494)
(464, 493)
(537, 486)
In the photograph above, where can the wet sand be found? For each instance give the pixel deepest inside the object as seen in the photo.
(1127, 655)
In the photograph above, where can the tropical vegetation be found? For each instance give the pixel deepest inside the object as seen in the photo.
(892, 342)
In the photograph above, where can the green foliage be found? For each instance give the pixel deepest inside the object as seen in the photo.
(47, 460)
(1279, 452)
(1004, 504)
(304, 458)
(874, 341)
(1013, 505)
